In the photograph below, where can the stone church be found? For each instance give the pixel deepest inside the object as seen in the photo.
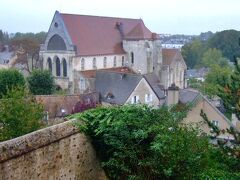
(78, 43)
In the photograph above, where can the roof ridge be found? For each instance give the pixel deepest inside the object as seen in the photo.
(116, 72)
(100, 16)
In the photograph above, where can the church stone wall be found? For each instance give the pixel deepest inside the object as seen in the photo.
(88, 64)
(56, 152)
(143, 55)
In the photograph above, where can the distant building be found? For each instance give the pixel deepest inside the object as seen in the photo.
(5, 54)
(200, 102)
(78, 43)
(122, 88)
(198, 74)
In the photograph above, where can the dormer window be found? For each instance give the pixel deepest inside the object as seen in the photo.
(109, 95)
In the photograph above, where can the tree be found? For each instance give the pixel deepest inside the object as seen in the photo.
(41, 82)
(192, 53)
(213, 56)
(19, 114)
(10, 78)
(138, 142)
(230, 94)
(227, 42)
(30, 43)
(215, 81)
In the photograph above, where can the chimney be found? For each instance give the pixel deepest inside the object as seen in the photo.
(119, 26)
(172, 95)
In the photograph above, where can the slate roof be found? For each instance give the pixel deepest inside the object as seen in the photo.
(154, 83)
(118, 85)
(96, 35)
(196, 73)
(188, 95)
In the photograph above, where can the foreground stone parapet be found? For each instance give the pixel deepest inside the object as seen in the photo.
(56, 152)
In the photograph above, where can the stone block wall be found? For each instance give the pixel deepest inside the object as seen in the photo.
(56, 152)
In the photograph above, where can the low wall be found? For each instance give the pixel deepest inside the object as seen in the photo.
(54, 103)
(56, 152)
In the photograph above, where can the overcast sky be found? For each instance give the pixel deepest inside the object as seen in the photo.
(161, 16)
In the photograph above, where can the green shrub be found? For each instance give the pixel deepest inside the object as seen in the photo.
(138, 142)
(41, 82)
(19, 114)
(10, 78)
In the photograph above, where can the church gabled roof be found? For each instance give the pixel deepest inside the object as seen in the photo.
(95, 35)
(139, 32)
(171, 55)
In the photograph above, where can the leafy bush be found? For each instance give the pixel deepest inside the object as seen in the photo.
(19, 114)
(138, 142)
(41, 82)
(10, 78)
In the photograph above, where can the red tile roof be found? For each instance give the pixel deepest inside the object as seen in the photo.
(170, 55)
(92, 73)
(95, 35)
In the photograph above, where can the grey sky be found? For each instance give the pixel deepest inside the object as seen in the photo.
(161, 16)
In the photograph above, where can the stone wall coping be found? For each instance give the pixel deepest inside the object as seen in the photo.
(70, 95)
(37, 139)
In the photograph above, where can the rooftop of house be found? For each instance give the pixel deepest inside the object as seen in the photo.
(95, 35)
(196, 73)
(92, 73)
(155, 85)
(188, 95)
(115, 88)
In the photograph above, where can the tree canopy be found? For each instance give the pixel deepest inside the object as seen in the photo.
(138, 142)
(10, 78)
(41, 82)
(19, 114)
(227, 42)
(221, 48)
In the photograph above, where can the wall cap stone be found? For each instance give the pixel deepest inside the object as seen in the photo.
(32, 141)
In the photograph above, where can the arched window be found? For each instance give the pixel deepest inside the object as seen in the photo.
(115, 61)
(58, 67)
(94, 63)
(64, 63)
(132, 58)
(56, 43)
(122, 60)
(49, 63)
(104, 62)
(82, 64)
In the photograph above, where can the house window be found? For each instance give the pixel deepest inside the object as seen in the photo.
(94, 63)
(64, 67)
(82, 84)
(148, 98)
(135, 99)
(114, 61)
(49, 61)
(122, 60)
(82, 64)
(132, 57)
(58, 67)
(104, 62)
